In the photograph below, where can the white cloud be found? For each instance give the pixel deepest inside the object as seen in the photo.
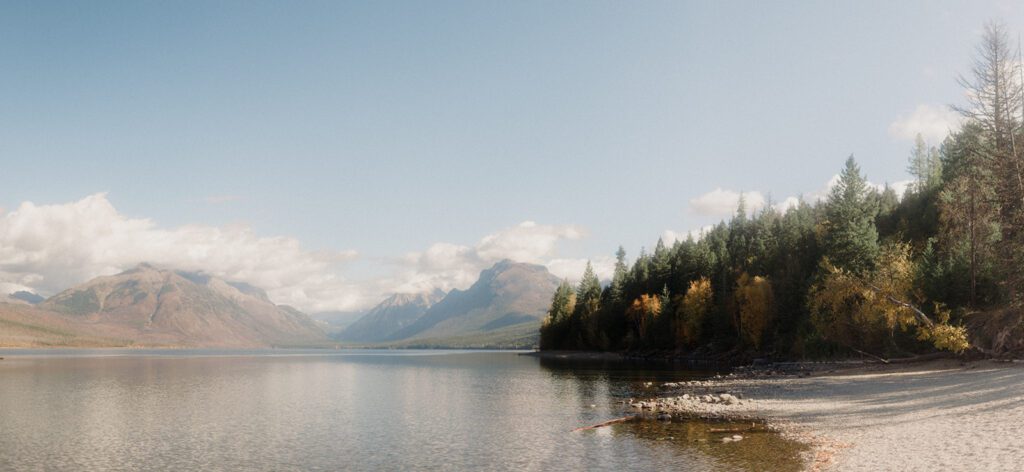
(789, 202)
(572, 269)
(670, 236)
(933, 122)
(49, 248)
(723, 203)
(719, 202)
(527, 242)
(899, 186)
(821, 194)
(7, 288)
(447, 266)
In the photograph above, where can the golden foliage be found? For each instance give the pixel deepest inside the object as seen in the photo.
(692, 310)
(643, 311)
(893, 276)
(754, 300)
(945, 337)
(848, 309)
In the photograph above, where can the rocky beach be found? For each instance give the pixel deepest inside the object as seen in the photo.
(936, 415)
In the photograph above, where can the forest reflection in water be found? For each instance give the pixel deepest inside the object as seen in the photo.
(758, 448)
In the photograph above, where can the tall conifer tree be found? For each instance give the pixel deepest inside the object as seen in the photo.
(851, 239)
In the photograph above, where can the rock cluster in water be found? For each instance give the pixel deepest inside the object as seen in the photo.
(709, 405)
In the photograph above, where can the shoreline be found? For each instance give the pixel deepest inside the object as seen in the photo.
(932, 415)
(694, 363)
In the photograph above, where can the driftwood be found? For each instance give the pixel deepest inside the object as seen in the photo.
(606, 423)
(922, 358)
(884, 361)
(907, 360)
(753, 428)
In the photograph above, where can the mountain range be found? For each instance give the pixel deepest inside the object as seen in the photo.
(502, 309)
(390, 316)
(154, 307)
(148, 306)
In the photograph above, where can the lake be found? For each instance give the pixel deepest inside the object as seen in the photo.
(347, 410)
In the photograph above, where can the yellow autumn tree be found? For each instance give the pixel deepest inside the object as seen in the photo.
(755, 305)
(866, 311)
(691, 310)
(642, 312)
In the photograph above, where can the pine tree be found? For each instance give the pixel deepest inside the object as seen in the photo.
(618, 287)
(661, 264)
(851, 239)
(968, 211)
(640, 274)
(562, 303)
(738, 241)
(589, 289)
(588, 302)
(554, 331)
(925, 166)
(996, 98)
(887, 200)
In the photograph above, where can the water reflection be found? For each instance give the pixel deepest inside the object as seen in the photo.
(759, 448)
(327, 410)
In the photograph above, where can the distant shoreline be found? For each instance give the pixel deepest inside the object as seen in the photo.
(8, 349)
(576, 355)
(697, 363)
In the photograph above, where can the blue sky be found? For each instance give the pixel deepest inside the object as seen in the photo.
(373, 130)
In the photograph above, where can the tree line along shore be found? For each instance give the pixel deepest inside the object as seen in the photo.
(865, 272)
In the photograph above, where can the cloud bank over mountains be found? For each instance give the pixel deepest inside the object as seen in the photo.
(447, 266)
(48, 248)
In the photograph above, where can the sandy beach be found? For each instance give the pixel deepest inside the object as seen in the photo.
(941, 415)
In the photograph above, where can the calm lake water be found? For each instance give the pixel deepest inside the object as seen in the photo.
(346, 410)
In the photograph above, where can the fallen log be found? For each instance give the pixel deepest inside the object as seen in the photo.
(753, 428)
(920, 315)
(884, 361)
(922, 358)
(606, 423)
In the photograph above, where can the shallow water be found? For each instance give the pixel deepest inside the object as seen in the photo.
(346, 410)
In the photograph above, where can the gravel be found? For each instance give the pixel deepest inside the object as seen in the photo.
(940, 415)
